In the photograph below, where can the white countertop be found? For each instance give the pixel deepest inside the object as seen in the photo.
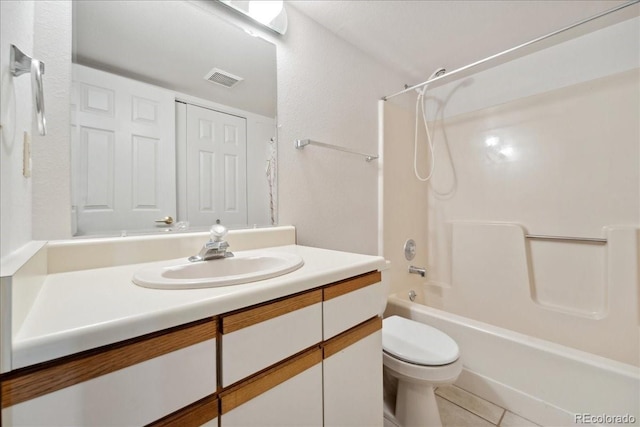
(81, 310)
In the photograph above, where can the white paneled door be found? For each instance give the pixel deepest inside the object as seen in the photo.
(216, 168)
(123, 151)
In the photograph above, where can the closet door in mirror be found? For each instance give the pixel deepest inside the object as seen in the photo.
(216, 168)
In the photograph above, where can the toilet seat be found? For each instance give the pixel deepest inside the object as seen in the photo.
(417, 343)
(420, 358)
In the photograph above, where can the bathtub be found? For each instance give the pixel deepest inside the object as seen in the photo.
(547, 383)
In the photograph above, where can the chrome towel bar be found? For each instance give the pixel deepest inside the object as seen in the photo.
(301, 143)
(591, 240)
(20, 64)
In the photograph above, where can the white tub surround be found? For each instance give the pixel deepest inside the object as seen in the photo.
(516, 157)
(540, 380)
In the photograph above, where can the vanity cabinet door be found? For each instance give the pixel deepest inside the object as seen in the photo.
(259, 337)
(350, 302)
(203, 413)
(131, 383)
(290, 394)
(352, 368)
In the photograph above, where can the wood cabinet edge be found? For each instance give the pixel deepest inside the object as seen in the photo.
(28, 383)
(351, 336)
(25, 384)
(346, 286)
(252, 315)
(193, 415)
(252, 387)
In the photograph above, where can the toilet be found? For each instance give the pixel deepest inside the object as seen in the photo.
(420, 358)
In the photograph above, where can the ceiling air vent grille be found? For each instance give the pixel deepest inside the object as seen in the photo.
(223, 78)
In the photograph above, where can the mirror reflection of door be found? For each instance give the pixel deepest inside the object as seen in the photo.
(216, 163)
(122, 38)
(123, 153)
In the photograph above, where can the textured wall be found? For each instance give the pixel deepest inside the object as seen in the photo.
(16, 27)
(328, 91)
(51, 153)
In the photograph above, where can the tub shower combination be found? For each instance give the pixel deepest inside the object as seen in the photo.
(545, 382)
(530, 228)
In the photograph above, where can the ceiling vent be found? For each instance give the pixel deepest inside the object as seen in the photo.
(223, 78)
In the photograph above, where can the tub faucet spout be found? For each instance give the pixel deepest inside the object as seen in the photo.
(417, 270)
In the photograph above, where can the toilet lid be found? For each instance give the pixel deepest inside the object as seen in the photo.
(417, 343)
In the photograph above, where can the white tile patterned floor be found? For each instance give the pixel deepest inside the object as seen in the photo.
(459, 408)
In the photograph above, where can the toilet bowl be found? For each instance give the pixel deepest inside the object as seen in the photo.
(419, 357)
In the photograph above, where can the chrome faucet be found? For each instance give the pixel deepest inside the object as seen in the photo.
(417, 270)
(216, 247)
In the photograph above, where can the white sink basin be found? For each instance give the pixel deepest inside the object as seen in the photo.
(244, 267)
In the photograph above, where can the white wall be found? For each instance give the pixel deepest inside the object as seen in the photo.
(35, 207)
(16, 27)
(51, 153)
(327, 91)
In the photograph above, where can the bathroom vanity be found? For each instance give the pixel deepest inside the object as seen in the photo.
(92, 348)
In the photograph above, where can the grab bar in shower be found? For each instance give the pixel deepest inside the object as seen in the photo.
(301, 143)
(20, 64)
(591, 240)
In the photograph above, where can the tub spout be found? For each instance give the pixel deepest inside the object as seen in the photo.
(417, 270)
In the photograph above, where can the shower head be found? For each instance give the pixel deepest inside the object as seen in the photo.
(437, 73)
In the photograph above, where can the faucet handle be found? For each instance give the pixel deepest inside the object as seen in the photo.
(218, 231)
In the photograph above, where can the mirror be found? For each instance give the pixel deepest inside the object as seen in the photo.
(173, 119)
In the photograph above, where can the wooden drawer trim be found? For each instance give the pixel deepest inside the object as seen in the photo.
(23, 385)
(353, 335)
(193, 415)
(261, 383)
(349, 285)
(245, 318)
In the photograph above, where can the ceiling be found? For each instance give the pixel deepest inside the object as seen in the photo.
(417, 37)
(174, 45)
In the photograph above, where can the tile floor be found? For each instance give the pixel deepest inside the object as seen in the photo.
(459, 408)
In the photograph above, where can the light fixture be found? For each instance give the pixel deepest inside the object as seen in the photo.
(271, 14)
(265, 11)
